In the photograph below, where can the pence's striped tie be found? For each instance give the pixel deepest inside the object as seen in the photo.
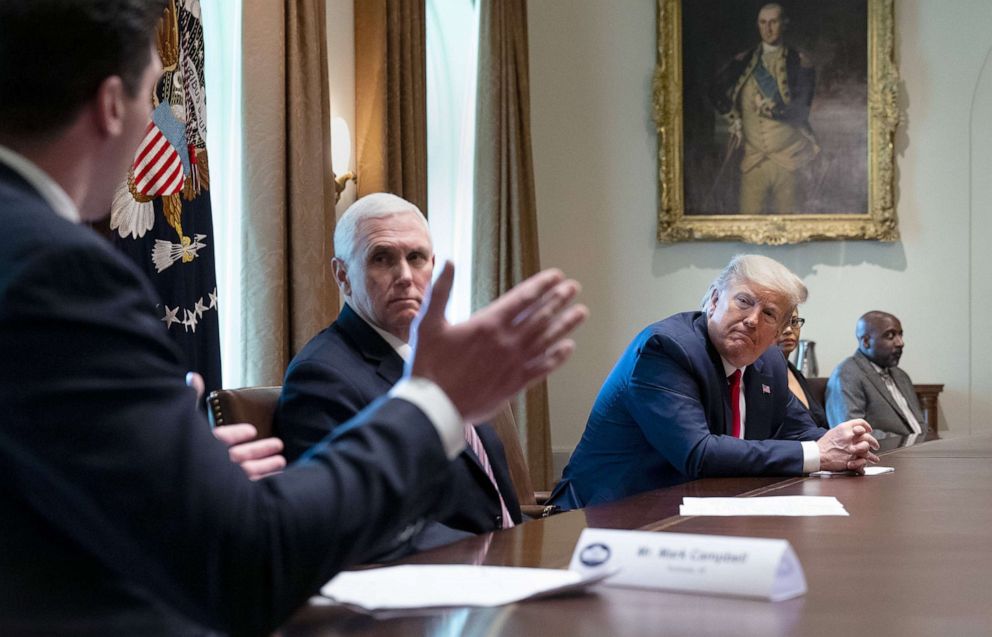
(475, 443)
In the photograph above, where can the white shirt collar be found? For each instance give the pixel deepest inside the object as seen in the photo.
(399, 346)
(50, 191)
(729, 369)
(770, 48)
(878, 368)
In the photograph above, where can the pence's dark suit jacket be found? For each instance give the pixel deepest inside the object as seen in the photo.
(663, 417)
(340, 371)
(122, 515)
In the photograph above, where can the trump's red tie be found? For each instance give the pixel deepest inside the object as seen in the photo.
(735, 401)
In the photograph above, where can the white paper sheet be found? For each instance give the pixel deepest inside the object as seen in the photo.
(869, 471)
(436, 586)
(793, 505)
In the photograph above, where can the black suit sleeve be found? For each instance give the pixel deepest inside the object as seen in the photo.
(102, 440)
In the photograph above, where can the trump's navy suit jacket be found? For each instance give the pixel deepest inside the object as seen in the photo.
(122, 515)
(663, 417)
(337, 374)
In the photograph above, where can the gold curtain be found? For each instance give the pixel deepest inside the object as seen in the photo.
(505, 223)
(391, 98)
(288, 290)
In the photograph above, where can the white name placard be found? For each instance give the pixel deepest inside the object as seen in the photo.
(709, 564)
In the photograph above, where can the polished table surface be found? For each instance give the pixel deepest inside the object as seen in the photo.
(913, 558)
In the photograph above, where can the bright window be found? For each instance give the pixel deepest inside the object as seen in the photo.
(452, 53)
(222, 48)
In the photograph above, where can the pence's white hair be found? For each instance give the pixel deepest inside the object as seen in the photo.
(373, 206)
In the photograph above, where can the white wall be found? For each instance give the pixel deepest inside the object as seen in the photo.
(595, 162)
(980, 189)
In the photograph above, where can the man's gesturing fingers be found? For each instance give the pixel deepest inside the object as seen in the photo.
(538, 324)
(555, 349)
(502, 348)
(258, 458)
(232, 435)
(526, 298)
(431, 315)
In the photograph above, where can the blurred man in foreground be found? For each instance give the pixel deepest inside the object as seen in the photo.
(122, 513)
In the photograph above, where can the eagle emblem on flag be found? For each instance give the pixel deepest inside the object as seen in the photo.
(158, 169)
(170, 161)
(161, 214)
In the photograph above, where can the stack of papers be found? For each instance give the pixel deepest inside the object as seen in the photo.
(794, 505)
(437, 586)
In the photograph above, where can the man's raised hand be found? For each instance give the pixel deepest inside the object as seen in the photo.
(518, 339)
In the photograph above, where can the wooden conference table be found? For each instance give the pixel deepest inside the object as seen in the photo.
(913, 558)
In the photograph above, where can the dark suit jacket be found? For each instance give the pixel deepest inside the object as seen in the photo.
(815, 408)
(122, 514)
(337, 374)
(855, 390)
(663, 417)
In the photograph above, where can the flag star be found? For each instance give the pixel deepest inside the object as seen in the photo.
(190, 321)
(213, 298)
(199, 308)
(170, 316)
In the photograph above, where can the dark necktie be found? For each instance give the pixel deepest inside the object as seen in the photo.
(735, 401)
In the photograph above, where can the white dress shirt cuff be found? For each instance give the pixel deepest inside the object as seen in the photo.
(811, 456)
(438, 408)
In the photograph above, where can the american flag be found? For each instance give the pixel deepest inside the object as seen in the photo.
(171, 175)
(158, 168)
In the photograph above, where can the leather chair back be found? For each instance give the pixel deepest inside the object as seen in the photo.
(253, 405)
(532, 503)
(506, 428)
(818, 388)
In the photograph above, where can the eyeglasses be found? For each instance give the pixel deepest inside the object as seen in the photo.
(797, 321)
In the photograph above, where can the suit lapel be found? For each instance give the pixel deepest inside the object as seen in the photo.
(876, 380)
(471, 455)
(905, 386)
(718, 379)
(758, 397)
(373, 347)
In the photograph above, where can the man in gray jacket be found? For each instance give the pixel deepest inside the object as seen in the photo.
(870, 384)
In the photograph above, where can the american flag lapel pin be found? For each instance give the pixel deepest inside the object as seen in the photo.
(765, 389)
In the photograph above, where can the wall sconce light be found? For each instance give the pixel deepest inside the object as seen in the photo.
(341, 155)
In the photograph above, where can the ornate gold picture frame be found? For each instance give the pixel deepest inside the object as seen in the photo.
(775, 141)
